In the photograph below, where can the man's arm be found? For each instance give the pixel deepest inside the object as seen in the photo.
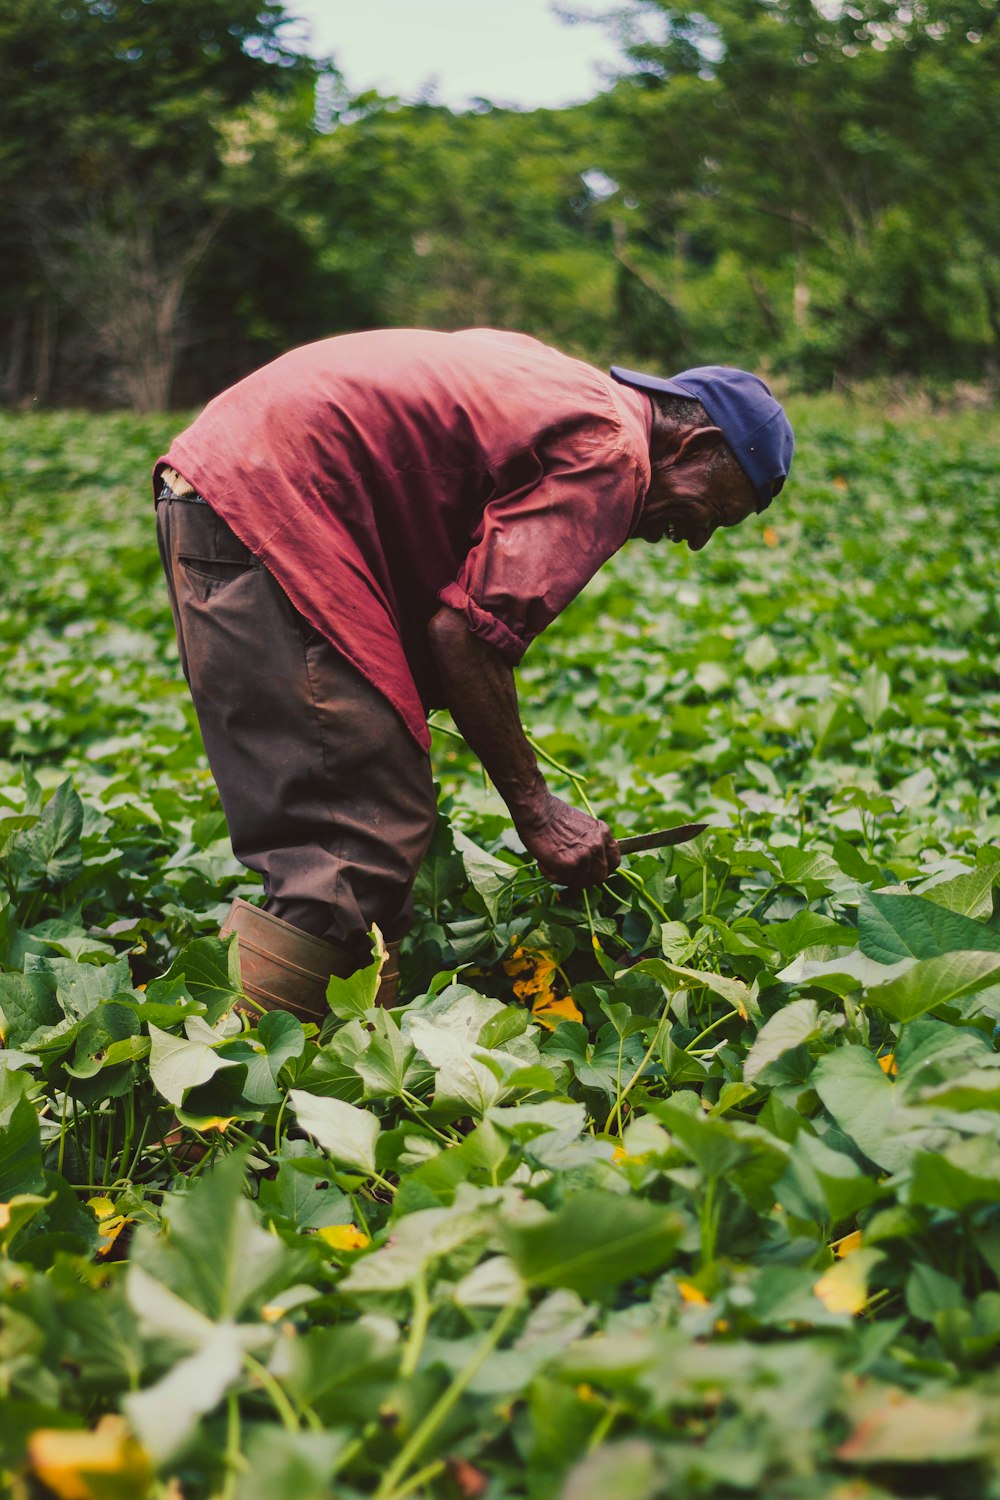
(571, 847)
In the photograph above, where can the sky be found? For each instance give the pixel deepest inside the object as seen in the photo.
(515, 52)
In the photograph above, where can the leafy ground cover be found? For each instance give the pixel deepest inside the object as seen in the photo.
(690, 1188)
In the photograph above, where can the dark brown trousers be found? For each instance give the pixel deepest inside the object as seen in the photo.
(325, 791)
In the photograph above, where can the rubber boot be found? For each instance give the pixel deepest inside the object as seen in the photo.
(282, 967)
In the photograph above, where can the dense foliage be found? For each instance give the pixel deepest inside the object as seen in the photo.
(781, 183)
(689, 1189)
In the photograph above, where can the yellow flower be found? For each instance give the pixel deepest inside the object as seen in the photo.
(690, 1293)
(888, 1064)
(849, 1243)
(770, 537)
(343, 1237)
(79, 1465)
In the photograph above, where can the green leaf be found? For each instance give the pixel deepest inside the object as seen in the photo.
(795, 1024)
(893, 927)
(488, 876)
(353, 998)
(388, 1061)
(213, 1257)
(178, 1064)
(959, 1177)
(628, 1470)
(346, 1133)
(677, 976)
(932, 982)
(27, 1005)
(971, 894)
(592, 1242)
(50, 851)
(872, 696)
(20, 1153)
(861, 1099)
(210, 970)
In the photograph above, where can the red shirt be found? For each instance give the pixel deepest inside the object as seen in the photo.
(379, 475)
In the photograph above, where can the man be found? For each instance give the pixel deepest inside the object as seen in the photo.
(379, 524)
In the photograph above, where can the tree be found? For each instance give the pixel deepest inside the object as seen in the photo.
(112, 170)
(833, 153)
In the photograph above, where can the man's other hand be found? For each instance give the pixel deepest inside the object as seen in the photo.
(571, 847)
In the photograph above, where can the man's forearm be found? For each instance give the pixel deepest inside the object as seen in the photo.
(570, 846)
(482, 698)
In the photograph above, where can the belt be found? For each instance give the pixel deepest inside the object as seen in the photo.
(176, 487)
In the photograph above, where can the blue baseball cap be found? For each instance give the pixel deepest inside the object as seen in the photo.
(752, 422)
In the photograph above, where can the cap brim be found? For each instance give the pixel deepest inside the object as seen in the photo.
(650, 382)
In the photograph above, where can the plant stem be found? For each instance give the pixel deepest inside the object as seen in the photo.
(392, 1487)
(279, 1399)
(418, 1328)
(617, 1106)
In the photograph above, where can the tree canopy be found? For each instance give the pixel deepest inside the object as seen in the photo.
(802, 185)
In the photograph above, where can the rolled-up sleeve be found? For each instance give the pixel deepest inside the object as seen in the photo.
(542, 539)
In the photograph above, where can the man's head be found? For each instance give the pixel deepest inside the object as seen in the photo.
(721, 448)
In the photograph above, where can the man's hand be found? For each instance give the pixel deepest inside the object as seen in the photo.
(571, 847)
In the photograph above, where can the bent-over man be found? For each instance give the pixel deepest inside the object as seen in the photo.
(380, 524)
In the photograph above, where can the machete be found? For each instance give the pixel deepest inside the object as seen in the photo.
(661, 838)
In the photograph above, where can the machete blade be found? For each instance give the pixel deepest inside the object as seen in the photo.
(661, 838)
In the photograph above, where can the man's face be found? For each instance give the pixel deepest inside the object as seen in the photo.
(689, 501)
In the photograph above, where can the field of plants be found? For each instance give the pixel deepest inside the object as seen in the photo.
(691, 1189)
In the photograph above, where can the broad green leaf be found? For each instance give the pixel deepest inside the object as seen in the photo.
(798, 1022)
(388, 1061)
(970, 894)
(841, 975)
(354, 997)
(932, 982)
(489, 876)
(872, 696)
(20, 1153)
(177, 1064)
(958, 1177)
(27, 1005)
(861, 1099)
(892, 927)
(592, 1242)
(677, 976)
(210, 970)
(215, 1258)
(286, 1465)
(346, 1133)
(807, 929)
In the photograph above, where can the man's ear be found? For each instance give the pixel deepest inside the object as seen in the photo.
(698, 443)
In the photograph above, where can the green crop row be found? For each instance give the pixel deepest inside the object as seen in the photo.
(688, 1188)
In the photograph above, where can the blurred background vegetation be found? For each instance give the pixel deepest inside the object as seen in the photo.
(808, 187)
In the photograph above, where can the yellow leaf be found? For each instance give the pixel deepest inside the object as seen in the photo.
(690, 1293)
(847, 1245)
(73, 1464)
(4, 1215)
(550, 1012)
(103, 1207)
(343, 1237)
(110, 1230)
(888, 1064)
(844, 1288)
